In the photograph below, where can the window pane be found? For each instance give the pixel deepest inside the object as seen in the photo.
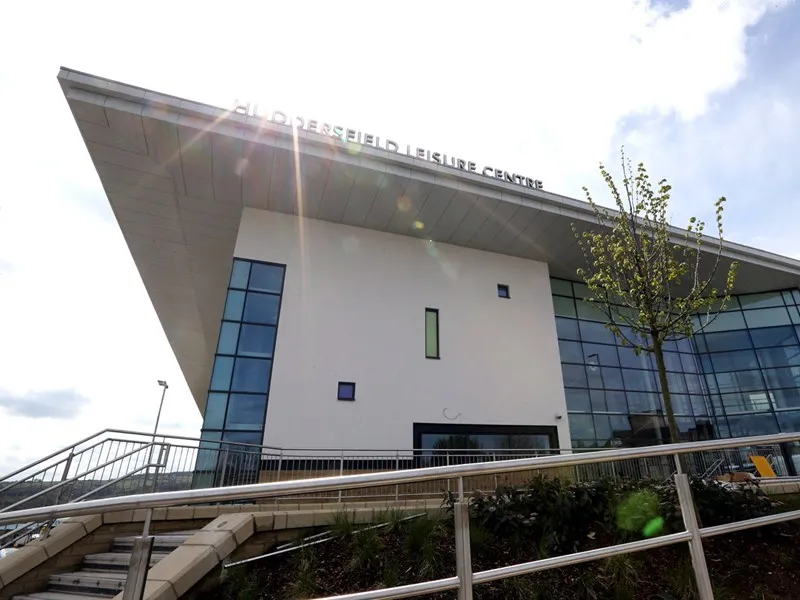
(772, 337)
(573, 375)
(788, 377)
(567, 329)
(794, 315)
(629, 360)
(677, 384)
(743, 381)
(786, 356)
(640, 381)
(570, 352)
(722, 322)
(789, 422)
(761, 300)
(767, 317)
(266, 278)
(261, 308)
(251, 375)
(694, 384)
(257, 340)
(581, 290)
(689, 363)
(734, 361)
(602, 427)
(643, 403)
(233, 306)
(786, 398)
(743, 426)
(431, 333)
(699, 405)
(590, 312)
(581, 427)
(239, 274)
(598, 398)
(562, 287)
(577, 400)
(604, 377)
(700, 340)
(598, 354)
(215, 411)
(221, 378)
(595, 332)
(243, 437)
(673, 361)
(727, 340)
(246, 412)
(563, 307)
(228, 336)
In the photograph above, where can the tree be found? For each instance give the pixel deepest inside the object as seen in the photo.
(648, 279)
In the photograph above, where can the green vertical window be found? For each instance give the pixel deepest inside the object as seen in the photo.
(431, 333)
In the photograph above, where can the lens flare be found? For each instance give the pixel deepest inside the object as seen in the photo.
(241, 166)
(638, 511)
(404, 204)
(419, 225)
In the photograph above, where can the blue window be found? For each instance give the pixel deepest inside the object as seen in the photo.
(246, 411)
(251, 375)
(240, 274)
(240, 380)
(266, 278)
(347, 391)
(503, 291)
(257, 340)
(261, 308)
(228, 337)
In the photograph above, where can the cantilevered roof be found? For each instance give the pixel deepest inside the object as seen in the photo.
(178, 173)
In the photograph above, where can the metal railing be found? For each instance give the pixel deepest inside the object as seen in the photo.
(119, 462)
(459, 473)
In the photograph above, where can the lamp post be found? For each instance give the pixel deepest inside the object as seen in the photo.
(164, 385)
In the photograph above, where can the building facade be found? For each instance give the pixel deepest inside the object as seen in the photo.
(331, 290)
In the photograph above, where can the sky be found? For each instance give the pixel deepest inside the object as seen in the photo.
(704, 92)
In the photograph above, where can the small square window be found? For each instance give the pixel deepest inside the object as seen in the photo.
(347, 390)
(503, 291)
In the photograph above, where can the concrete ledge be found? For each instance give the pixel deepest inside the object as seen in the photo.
(197, 557)
(34, 553)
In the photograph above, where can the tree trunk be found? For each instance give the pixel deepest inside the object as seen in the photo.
(658, 350)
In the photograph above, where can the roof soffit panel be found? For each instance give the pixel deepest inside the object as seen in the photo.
(315, 173)
(409, 206)
(195, 153)
(461, 204)
(511, 231)
(227, 161)
(389, 194)
(501, 214)
(338, 187)
(256, 173)
(480, 212)
(433, 208)
(282, 183)
(362, 196)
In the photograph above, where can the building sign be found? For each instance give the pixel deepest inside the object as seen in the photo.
(367, 139)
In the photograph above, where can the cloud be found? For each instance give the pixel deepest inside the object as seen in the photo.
(47, 404)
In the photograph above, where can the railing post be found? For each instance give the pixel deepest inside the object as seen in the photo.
(397, 468)
(224, 467)
(447, 458)
(686, 504)
(137, 571)
(494, 459)
(463, 552)
(341, 472)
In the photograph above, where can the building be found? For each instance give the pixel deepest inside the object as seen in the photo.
(324, 287)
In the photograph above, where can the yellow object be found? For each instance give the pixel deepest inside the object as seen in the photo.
(764, 468)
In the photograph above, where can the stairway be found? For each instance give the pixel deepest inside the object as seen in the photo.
(103, 575)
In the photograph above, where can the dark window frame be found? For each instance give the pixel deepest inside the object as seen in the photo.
(438, 355)
(503, 291)
(551, 431)
(345, 398)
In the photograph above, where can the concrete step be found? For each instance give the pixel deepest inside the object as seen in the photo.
(116, 560)
(89, 582)
(163, 542)
(62, 596)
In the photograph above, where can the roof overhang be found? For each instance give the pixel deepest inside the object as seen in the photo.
(178, 174)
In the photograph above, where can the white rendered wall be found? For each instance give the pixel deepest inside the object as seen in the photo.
(353, 309)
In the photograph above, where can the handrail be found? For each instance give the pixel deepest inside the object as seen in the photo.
(61, 484)
(52, 455)
(342, 482)
(47, 468)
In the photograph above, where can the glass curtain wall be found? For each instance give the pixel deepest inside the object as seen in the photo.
(739, 376)
(238, 394)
